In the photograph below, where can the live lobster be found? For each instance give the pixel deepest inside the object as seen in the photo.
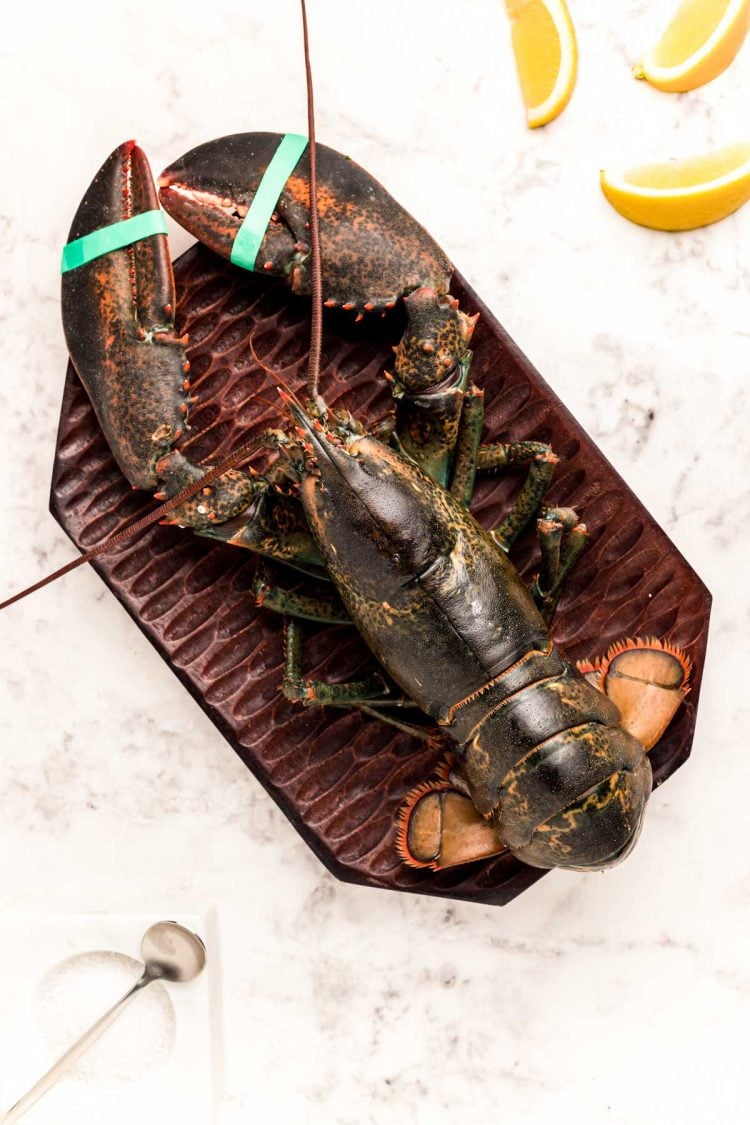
(547, 759)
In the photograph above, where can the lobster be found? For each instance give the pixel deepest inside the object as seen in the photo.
(547, 759)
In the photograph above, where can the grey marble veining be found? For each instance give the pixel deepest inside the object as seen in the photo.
(619, 998)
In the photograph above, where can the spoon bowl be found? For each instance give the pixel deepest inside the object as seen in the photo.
(172, 952)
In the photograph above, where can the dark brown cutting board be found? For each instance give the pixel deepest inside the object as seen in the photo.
(338, 777)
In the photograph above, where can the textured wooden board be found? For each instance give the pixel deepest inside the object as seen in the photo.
(340, 779)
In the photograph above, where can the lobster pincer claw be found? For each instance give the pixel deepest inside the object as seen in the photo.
(373, 251)
(118, 315)
(209, 191)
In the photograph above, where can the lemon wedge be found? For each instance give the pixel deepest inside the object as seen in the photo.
(682, 194)
(700, 42)
(544, 43)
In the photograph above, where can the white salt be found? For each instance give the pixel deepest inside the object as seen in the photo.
(78, 990)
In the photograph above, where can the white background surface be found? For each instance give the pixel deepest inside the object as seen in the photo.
(618, 998)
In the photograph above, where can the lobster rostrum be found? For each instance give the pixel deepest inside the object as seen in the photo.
(546, 758)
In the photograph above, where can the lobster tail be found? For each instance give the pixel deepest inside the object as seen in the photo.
(546, 759)
(600, 825)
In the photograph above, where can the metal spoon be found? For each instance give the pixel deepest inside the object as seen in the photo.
(170, 952)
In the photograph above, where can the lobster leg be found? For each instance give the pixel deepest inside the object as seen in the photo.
(367, 695)
(464, 469)
(274, 527)
(541, 461)
(295, 603)
(561, 538)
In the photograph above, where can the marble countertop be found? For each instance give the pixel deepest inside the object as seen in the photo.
(619, 998)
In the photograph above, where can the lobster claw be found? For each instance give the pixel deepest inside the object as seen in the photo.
(209, 191)
(118, 316)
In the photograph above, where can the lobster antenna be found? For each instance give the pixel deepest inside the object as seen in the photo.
(231, 461)
(316, 281)
(278, 381)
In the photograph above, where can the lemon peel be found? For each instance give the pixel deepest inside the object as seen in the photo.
(546, 53)
(682, 194)
(700, 42)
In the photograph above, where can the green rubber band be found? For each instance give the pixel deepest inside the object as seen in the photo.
(250, 235)
(112, 237)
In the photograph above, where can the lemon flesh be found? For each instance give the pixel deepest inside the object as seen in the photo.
(544, 45)
(682, 194)
(699, 44)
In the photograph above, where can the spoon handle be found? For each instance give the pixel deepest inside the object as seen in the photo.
(73, 1053)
